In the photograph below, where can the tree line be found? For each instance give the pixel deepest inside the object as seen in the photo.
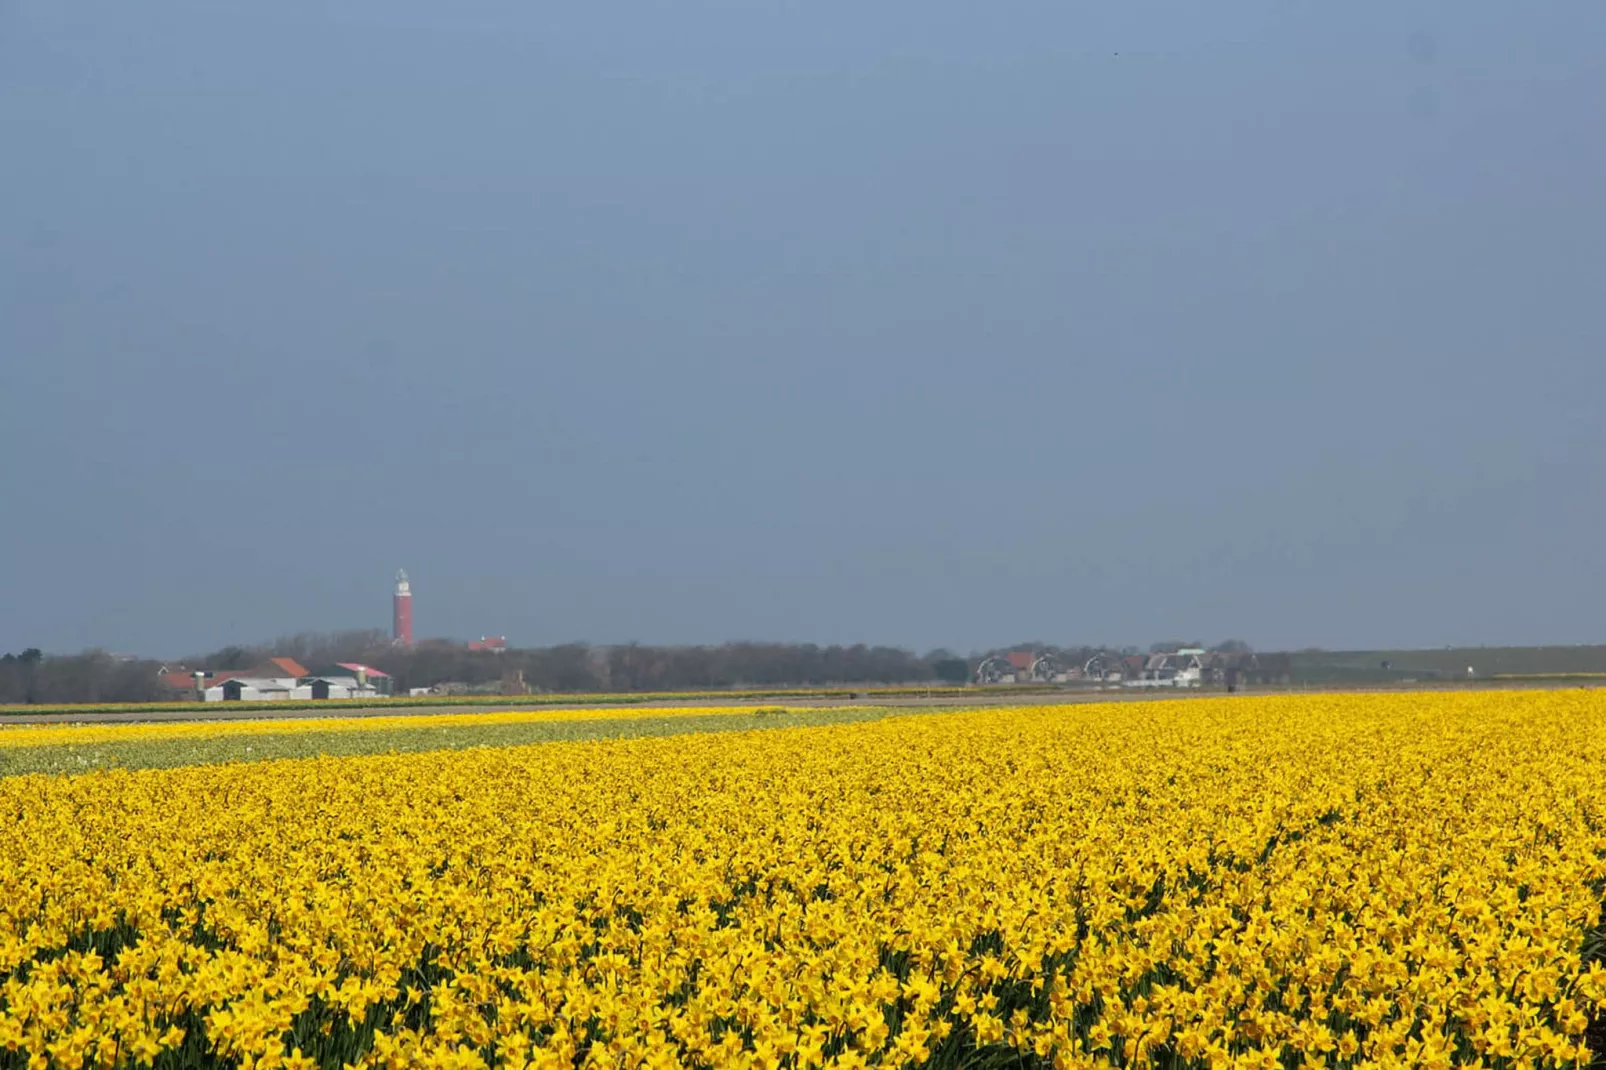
(95, 676)
(582, 667)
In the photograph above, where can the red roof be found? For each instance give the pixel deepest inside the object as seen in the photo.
(177, 681)
(291, 667)
(1020, 659)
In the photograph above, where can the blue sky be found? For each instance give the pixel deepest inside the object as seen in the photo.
(927, 324)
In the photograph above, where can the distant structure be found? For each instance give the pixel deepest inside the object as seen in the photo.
(401, 621)
(513, 683)
(1106, 667)
(275, 680)
(1021, 667)
(1190, 666)
(497, 644)
(1185, 667)
(348, 679)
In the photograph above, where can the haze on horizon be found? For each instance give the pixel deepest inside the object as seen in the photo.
(902, 323)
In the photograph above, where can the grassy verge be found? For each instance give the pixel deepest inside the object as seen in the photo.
(164, 753)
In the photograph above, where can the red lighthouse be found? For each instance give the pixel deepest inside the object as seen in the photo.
(401, 618)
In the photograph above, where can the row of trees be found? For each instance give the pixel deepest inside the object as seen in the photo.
(631, 667)
(93, 676)
(638, 667)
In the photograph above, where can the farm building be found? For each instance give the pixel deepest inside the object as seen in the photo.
(275, 680)
(256, 689)
(1188, 667)
(355, 677)
(323, 687)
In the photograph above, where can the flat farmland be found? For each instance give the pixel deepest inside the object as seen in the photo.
(1338, 880)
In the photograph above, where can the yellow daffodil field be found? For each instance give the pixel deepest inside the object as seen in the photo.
(56, 735)
(1384, 880)
(89, 746)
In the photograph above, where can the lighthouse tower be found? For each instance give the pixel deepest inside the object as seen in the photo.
(401, 619)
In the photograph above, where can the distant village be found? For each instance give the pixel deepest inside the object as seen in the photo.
(310, 667)
(1183, 667)
(280, 679)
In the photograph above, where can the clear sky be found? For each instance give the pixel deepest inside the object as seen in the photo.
(933, 323)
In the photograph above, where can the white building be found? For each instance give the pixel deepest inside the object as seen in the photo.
(256, 689)
(329, 687)
(1181, 668)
